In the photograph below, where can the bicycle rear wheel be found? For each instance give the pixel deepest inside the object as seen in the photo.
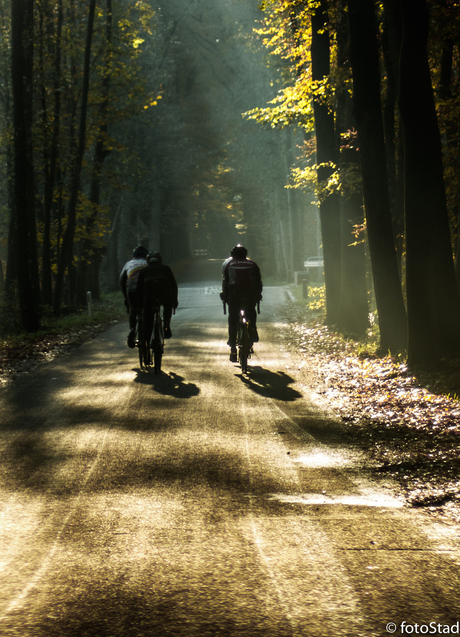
(145, 357)
(141, 353)
(140, 342)
(157, 343)
(243, 352)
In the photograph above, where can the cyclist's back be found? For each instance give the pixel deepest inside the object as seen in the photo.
(241, 288)
(157, 284)
(128, 283)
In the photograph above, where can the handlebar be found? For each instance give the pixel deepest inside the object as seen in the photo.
(225, 307)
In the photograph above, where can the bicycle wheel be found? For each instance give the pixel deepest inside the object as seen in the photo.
(243, 351)
(147, 354)
(157, 343)
(141, 343)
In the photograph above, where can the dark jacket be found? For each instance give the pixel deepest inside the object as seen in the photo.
(241, 278)
(157, 282)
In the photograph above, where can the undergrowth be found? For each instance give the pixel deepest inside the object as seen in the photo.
(313, 309)
(104, 311)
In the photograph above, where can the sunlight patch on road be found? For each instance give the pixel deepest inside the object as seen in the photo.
(324, 459)
(369, 499)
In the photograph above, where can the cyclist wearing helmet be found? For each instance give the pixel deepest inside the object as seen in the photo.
(157, 282)
(241, 286)
(128, 283)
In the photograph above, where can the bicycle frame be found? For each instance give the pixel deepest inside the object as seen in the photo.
(156, 338)
(243, 340)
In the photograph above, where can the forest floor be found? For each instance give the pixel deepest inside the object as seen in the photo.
(22, 354)
(408, 424)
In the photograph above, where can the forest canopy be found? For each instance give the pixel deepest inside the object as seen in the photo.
(193, 124)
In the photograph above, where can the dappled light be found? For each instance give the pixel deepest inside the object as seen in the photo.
(229, 318)
(373, 499)
(409, 422)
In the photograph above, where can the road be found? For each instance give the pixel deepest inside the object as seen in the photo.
(201, 502)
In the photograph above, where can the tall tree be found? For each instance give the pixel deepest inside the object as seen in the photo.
(90, 252)
(326, 150)
(66, 256)
(22, 55)
(364, 54)
(353, 312)
(51, 157)
(432, 295)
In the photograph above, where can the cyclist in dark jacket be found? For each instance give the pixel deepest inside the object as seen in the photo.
(128, 283)
(241, 287)
(157, 283)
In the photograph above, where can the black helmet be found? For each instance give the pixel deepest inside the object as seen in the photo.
(239, 251)
(154, 257)
(140, 252)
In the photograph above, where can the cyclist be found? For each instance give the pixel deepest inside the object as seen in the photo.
(157, 282)
(128, 283)
(241, 287)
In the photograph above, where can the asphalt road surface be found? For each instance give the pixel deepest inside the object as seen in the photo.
(201, 502)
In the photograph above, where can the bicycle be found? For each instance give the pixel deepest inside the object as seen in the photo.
(142, 343)
(243, 341)
(157, 341)
(158, 338)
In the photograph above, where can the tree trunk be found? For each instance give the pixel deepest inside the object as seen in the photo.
(353, 313)
(326, 153)
(47, 290)
(24, 195)
(89, 251)
(364, 56)
(10, 277)
(66, 256)
(432, 296)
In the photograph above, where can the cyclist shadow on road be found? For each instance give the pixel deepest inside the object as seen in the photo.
(168, 384)
(270, 384)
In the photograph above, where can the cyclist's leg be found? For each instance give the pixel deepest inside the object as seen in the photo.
(233, 315)
(148, 322)
(244, 340)
(251, 314)
(133, 311)
(167, 313)
(141, 339)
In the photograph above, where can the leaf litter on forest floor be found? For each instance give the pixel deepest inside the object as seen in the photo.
(408, 424)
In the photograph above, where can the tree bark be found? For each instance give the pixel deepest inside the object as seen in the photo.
(66, 256)
(353, 312)
(326, 153)
(368, 114)
(432, 296)
(24, 195)
(10, 277)
(50, 181)
(89, 251)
